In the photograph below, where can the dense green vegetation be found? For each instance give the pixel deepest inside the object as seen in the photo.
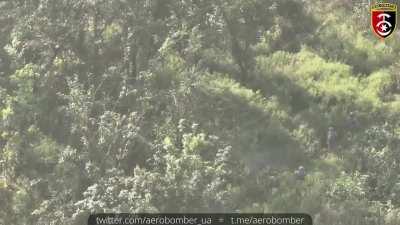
(197, 106)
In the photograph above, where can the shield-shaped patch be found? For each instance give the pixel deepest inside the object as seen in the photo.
(383, 19)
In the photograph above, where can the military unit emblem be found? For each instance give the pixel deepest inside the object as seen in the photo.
(383, 19)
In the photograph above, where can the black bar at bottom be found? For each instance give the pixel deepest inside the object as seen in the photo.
(200, 219)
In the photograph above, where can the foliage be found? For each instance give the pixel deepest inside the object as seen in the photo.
(196, 106)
